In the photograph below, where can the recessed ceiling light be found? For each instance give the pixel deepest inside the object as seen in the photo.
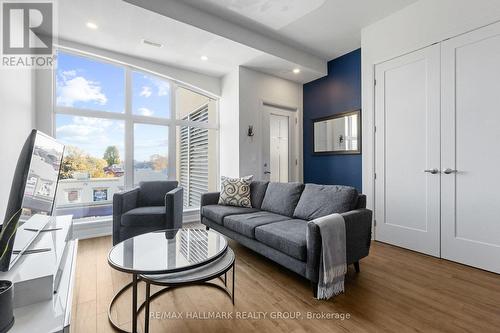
(92, 25)
(296, 70)
(151, 43)
(204, 58)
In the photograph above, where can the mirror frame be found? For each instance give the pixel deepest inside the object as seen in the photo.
(336, 116)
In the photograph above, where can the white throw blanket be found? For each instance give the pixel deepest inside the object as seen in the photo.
(333, 261)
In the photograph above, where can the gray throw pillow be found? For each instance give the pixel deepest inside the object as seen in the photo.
(321, 200)
(281, 198)
(235, 191)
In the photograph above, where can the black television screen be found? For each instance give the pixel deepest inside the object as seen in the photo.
(32, 195)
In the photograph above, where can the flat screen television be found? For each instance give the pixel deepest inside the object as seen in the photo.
(32, 196)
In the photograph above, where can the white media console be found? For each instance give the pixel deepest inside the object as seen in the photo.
(43, 282)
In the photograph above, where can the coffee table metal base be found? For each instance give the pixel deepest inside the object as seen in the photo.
(199, 276)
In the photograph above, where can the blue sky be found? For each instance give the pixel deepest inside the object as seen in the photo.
(150, 96)
(89, 84)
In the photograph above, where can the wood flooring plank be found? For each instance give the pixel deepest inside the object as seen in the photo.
(396, 291)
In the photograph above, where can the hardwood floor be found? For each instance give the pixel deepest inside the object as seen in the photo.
(396, 291)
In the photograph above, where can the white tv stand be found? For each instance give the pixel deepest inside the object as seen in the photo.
(43, 282)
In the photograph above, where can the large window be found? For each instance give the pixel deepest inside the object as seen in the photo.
(122, 126)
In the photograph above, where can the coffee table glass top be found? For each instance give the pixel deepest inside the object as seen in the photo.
(167, 251)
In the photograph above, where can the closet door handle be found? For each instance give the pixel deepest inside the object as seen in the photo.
(448, 171)
(433, 171)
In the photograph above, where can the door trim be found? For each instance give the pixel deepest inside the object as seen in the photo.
(294, 140)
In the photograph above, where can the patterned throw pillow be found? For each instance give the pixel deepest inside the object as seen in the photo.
(235, 191)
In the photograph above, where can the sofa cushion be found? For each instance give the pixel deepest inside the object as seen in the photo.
(152, 193)
(235, 191)
(144, 217)
(245, 224)
(281, 198)
(321, 200)
(257, 192)
(216, 213)
(286, 236)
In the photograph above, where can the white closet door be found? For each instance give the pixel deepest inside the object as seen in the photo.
(407, 143)
(471, 146)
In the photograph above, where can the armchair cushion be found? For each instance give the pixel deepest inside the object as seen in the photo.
(286, 236)
(153, 216)
(152, 193)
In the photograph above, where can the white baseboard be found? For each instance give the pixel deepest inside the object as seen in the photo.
(104, 227)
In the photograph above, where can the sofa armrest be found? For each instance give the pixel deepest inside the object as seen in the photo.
(358, 225)
(210, 198)
(122, 203)
(174, 208)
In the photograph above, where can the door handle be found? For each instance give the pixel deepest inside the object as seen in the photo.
(448, 171)
(433, 171)
(267, 172)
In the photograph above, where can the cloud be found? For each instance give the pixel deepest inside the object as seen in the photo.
(163, 88)
(146, 92)
(145, 112)
(72, 89)
(85, 130)
(69, 73)
(93, 122)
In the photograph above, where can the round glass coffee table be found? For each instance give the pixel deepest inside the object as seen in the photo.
(172, 259)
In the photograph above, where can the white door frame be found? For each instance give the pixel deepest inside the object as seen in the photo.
(293, 138)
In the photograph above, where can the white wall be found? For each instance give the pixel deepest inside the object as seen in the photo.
(256, 88)
(16, 122)
(229, 125)
(416, 26)
(243, 93)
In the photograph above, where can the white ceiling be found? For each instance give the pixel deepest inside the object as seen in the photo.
(322, 29)
(327, 28)
(123, 26)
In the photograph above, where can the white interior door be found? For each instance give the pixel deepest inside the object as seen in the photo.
(278, 148)
(470, 136)
(407, 142)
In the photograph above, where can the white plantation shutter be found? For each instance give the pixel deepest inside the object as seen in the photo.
(194, 158)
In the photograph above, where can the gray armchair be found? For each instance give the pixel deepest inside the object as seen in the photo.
(154, 205)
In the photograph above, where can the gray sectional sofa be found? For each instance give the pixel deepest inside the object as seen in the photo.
(279, 226)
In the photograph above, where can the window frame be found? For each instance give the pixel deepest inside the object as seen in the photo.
(130, 119)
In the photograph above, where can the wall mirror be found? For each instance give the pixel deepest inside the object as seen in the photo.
(338, 134)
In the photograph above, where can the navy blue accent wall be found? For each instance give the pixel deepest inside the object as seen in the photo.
(337, 92)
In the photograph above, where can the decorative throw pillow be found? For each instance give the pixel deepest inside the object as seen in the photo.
(235, 191)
